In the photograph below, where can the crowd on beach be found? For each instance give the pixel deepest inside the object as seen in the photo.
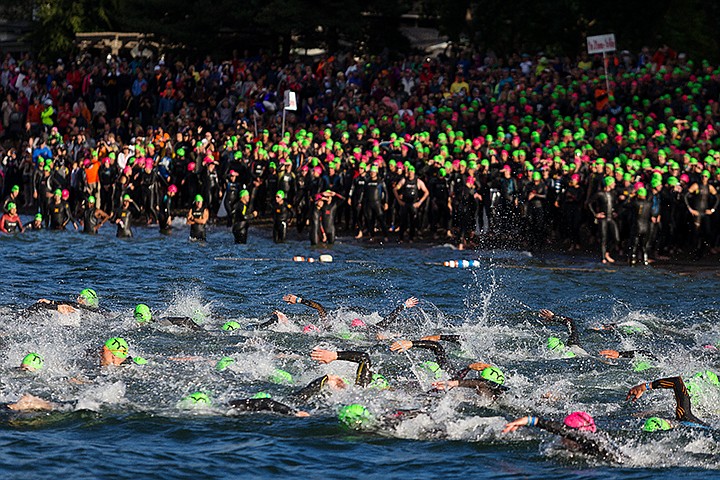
(522, 151)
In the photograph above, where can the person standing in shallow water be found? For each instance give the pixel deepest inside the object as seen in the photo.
(197, 218)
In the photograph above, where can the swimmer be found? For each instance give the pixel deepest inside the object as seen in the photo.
(364, 376)
(10, 221)
(262, 402)
(115, 352)
(578, 432)
(143, 315)
(197, 218)
(87, 300)
(683, 413)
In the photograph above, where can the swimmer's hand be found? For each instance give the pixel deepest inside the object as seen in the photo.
(546, 314)
(411, 302)
(335, 382)
(401, 346)
(323, 356)
(301, 413)
(636, 392)
(290, 298)
(282, 318)
(610, 353)
(445, 385)
(44, 300)
(432, 338)
(31, 402)
(515, 424)
(65, 309)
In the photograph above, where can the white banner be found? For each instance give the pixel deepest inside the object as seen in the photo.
(290, 100)
(601, 43)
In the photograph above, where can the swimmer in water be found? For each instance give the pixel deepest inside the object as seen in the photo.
(143, 315)
(578, 432)
(87, 300)
(683, 412)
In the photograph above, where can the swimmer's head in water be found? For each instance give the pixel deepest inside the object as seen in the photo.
(223, 363)
(281, 376)
(555, 344)
(493, 374)
(118, 347)
(89, 297)
(354, 416)
(432, 368)
(641, 366)
(580, 421)
(379, 382)
(32, 362)
(197, 398)
(230, 326)
(262, 395)
(142, 313)
(357, 323)
(655, 424)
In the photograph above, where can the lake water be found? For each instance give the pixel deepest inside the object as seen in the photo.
(128, 423)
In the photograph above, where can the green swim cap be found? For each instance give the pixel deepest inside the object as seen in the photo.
(432, 368)
(197, 398)
(493, 374)
(280, 194)
(223, 363)
(244, 193)
(554, 343)
(38, 217)
(641, 366)
(32, 362)
(198, 198)
(536, 176)
(90, 297)
(641, 192)
(281, 376)
(230, 326)
(57, 192)
(609, 181)
(91, 199)
(15, 188)
(142, 313)
(118, 347)
(11, 205)
(654, 424)
(631, 329)
(708, 376)
(262, 395)
(139, 361)
(126, 197)
(379, 382)
(354, 416)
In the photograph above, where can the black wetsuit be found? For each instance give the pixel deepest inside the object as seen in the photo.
(373, 200)
(59, 215)
(281, 216)
(185, 322)
(90, 221)
(357, 190)
(197, 230)
(124, 229)
(232, 201)
(604, 202)
(586, 442)
(640, 229)
(409, 194)
(164, 217)
(261, 405)
(328, 219)
(683, 411)
(241, 221)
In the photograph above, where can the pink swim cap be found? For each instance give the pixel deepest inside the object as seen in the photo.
(581, 421)
(357, 323)
(66, 194)
(317, 170)
(191, 166)
(172, 189)
(310, 328)
(127, 170)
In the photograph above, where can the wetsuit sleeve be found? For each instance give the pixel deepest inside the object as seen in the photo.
(634, 353)
(574, 338)
(272, 321)
(313, 304)
(682, 398)
(261, 405)
(587, 444)
(311, 389)
(483, 386)
(184, 322)
(450, 338)
(363, 375)
(391, 317)
(437, 349)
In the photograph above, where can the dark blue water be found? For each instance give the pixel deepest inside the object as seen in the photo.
(127, 422)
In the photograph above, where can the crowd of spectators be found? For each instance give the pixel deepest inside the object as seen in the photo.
(522, 151)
